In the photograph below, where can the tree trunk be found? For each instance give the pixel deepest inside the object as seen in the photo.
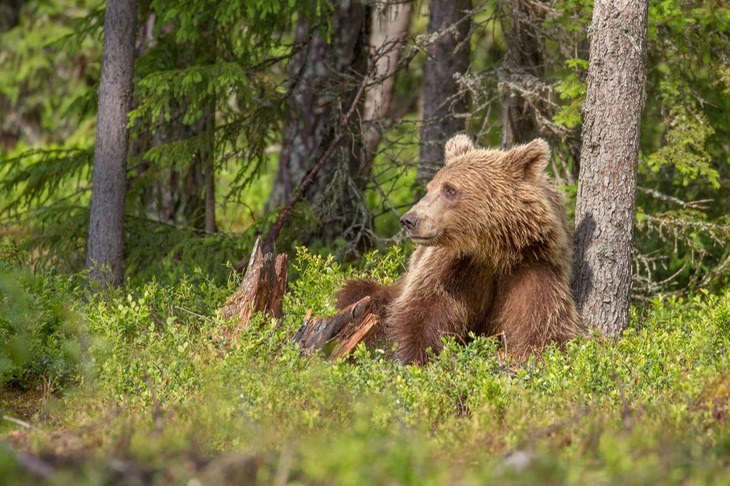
(388, 34)
(325, 77)
(108, 190)
(208, 156)
(607, 181)
(309, 113)
(524, 57)
(449, 21)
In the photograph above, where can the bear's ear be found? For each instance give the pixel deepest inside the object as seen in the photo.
(530, 159)
(458, 145)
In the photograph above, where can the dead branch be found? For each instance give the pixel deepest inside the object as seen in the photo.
(348, 328)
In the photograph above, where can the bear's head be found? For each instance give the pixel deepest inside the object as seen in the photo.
(487, 204)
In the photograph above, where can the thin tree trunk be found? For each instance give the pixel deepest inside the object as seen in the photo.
(208, 157)
(109, 180)
(525, 56)
(607, 182)
(210, 227)
(388, 33)
(450, 22)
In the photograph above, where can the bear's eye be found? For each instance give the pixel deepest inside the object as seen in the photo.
(449, 191)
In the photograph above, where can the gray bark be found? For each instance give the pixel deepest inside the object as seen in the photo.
(108, 191)
(607, 181)
(449, 22)
(525, 56)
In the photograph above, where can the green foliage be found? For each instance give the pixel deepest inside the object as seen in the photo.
(165, 387)
(41, 338)
(572, 89)
(685, 148)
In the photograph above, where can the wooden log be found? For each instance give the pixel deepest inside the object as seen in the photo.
(261, 289)
(314, 333)
(352, 335)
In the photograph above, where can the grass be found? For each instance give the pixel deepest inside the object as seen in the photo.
(156, 396)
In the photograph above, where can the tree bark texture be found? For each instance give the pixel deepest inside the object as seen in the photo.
(316, 75)
(390, 22)
(525, 57)
(607, 181)
(106, 220)
(325, 77)
(261, 290)
(449, 24)
(208, 157)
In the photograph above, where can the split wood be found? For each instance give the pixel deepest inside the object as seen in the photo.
(261, 290)
(351, 326)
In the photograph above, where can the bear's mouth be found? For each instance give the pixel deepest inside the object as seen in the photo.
(424, 240)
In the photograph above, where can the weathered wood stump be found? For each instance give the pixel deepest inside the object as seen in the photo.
(354, 334)
(352, 325)
(261, 289)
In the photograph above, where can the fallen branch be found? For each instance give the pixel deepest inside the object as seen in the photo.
(351, 326)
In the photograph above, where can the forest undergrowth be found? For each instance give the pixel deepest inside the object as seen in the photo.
(140, 386)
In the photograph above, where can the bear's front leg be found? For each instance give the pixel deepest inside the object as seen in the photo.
(418, 320)
(534, 307)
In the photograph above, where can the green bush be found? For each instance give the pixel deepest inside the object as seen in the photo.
(41, 337)
(649, 407)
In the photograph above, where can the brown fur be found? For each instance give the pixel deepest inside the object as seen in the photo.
(494, 257)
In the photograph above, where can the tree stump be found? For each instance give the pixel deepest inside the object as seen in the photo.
(261, 290)
(352, 325)
(353, 334)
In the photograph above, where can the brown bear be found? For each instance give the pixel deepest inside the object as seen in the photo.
(494, 257)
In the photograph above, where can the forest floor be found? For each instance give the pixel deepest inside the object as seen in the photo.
(144, 388)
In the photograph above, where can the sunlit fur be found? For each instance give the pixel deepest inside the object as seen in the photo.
(494, 257)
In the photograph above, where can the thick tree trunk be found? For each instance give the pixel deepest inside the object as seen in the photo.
(325, 77)
(524, 57)
(449, 21)
(109, 181)
(388, 33)
(607, 182)
(309, 114)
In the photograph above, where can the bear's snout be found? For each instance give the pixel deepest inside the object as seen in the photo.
(409, 221)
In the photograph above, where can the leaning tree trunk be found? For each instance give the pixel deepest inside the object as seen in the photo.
(525, 58)
(449, 24)
(109, 181)
(607, 181)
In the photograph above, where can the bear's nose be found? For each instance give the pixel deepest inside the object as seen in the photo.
(409, 222)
